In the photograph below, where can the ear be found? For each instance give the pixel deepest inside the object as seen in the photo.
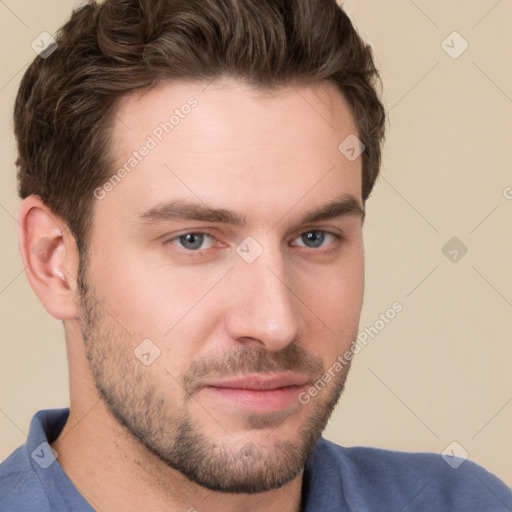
(50, 256)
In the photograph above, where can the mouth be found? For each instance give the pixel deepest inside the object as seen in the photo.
(260, 393)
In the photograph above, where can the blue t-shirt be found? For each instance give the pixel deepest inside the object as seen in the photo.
(335, 479)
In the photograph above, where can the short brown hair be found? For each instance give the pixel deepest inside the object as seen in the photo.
(66, 103)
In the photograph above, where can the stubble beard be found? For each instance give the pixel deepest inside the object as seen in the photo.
(135, 399)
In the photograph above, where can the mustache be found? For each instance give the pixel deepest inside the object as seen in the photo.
(250, 360)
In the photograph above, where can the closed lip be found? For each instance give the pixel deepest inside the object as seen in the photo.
(261, 382)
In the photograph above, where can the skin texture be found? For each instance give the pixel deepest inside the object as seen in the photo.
(271, 157)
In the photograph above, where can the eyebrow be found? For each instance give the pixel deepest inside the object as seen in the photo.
(345, 205)
(341, 207)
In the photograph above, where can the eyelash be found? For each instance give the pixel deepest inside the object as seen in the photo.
(200, 252)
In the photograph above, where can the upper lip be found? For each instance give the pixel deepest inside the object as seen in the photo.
(262, 382)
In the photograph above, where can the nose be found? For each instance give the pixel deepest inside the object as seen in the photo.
(264, 309)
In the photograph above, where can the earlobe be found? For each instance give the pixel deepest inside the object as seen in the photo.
(48, 251)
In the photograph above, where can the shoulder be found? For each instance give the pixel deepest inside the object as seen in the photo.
(414, 481)
(20, 486)
(28, 477)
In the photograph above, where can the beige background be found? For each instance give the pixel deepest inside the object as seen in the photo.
(440, 371)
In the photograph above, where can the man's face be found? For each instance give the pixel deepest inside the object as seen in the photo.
(202, 328)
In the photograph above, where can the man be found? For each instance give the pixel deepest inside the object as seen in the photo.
(194, 178)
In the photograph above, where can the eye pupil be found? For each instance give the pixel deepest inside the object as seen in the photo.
(313, 238)
(191, 240)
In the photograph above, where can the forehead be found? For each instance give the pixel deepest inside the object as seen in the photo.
(228, 142)
(234, 107)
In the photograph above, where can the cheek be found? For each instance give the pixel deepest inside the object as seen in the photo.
(335, 294)
(338, 303)
(178, 312)
(351, 287)
(146, 297)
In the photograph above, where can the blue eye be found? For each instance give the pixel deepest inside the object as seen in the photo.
(193, 241)
(315, 238)
(199, 241)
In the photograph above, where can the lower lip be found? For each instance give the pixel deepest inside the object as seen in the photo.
(259, 401)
